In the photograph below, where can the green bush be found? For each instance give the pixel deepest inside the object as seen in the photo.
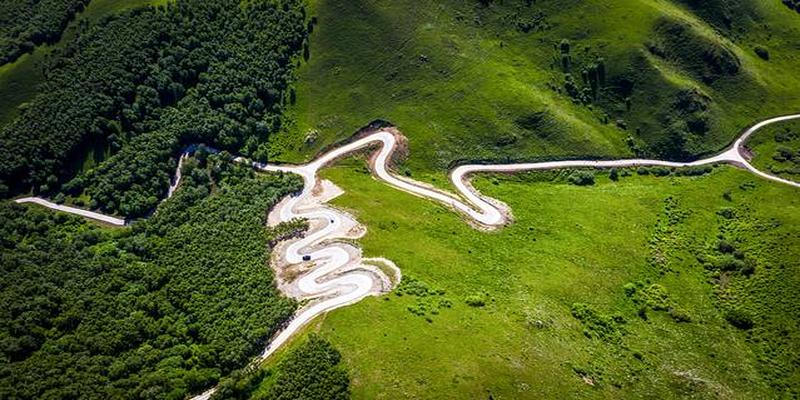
(762, 52)
(729, 263)
(629, 289)
(657, 298)
(749, 267)
(723, 246)
(597, 325)
(740, 319)
(660, 171)
(783, 154)
(475, 300)
(581, 178)
(694, 171)
(613, 174)
(679, 315)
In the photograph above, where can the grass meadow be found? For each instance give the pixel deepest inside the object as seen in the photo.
(497, 314)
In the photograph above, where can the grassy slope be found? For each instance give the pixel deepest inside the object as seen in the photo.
(18, 80)
(458, 80)
(555, 254)
(764, 147)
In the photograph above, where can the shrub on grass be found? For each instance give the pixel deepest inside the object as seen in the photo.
(581, 178)
(596, 324)
(729, 263)
(783, 154)
(660, 171)
(762, 52)
(564, 46)
(727, 212)
(679, 315)
(749, 267)
(629, 288)
(740, 319)
(723, 246)
(475, 300)
(727, 195)
(694, 171)
(785, 135)
(657, 298)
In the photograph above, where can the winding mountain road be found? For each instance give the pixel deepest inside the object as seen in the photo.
(331, 273)
(489, 212)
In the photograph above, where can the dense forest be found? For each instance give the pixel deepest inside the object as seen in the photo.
(310, 371)
(25, 24)
(140, 85)
(155, 311)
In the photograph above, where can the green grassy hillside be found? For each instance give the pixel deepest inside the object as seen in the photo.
(544, 79)
(649, 287)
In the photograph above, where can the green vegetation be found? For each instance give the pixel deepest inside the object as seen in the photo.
(18, 82)
(598, 325)
(20, 79)
(547, 79)
(429, 301)
(792, 4)
(623, 291)
(159, 310)
(310, 371)
(653, 282)
(776, 150)
(139, 85)
(581, 178)
(654, 297)
(25, 24)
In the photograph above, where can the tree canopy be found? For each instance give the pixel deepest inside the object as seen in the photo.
(310, 371)
(144, 83)
(25, 24)
(155, 311)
